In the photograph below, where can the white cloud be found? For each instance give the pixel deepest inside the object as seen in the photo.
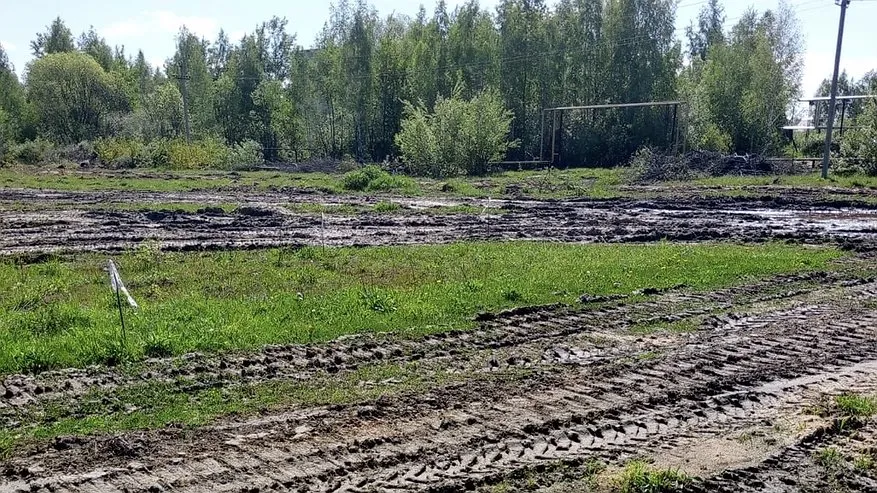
(236, 36)
(152, 22)
(9, 47)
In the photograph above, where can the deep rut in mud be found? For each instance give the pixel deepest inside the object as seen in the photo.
(75, 221)
(577, 401)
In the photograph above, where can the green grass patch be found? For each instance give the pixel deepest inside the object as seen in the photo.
(227, 208)
(335, 209)
(803, 180)
(385, 207)
(829, 458)
(554, 183)
(61, 313)
(639, 477)
(546, 184)
(163, 181)
(678, 327)
(856, 406)
(373, 178)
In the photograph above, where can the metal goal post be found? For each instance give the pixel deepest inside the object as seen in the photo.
(554, 112)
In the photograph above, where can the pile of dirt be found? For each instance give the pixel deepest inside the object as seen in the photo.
(649, 166)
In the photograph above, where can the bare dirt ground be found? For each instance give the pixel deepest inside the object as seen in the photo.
(79, 221)
(530, 399)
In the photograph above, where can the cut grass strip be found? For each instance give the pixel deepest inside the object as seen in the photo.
(62, 314)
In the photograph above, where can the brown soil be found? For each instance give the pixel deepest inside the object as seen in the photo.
(76, 221)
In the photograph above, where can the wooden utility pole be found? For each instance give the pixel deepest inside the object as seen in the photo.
(833, 100)
(184, 80)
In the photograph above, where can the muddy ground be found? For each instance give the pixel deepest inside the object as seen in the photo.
(542, 393)
(85, 221)
(531, 399)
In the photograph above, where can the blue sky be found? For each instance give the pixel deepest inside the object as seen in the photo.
(151, 26)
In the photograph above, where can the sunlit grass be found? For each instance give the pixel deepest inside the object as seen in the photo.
(62, 314)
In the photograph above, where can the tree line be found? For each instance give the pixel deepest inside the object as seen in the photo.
(368, 77)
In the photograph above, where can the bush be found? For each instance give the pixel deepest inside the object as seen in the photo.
(157, 153)
(359, 180)
(459, 137)
(247, 153)
(120, 152)
(373, 178)
(38, 151)
(384, 207)
(861, 143)
(205, 153)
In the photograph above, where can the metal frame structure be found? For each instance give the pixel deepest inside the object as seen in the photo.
(845, 101)
(557, 110)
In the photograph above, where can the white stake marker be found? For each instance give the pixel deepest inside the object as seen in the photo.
(117, 285)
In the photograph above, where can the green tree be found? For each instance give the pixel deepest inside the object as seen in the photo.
(189, 66)
(95, 46)
(239, 117)
(743, 91)
(56, 39)
(12, 104)
(390, 74)
(862, 141)
(218, 54)
(71, 96)
(523, 47)
(162, 113)
(282, 118)
(709, 32)
(145, 80)
(275, 47)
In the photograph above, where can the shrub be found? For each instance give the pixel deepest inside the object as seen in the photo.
(157, 153)
(37, 151)
(361, 180)
(120, 152)
(459, 137)
(247, 153)
(638, 477)
(204, 153)
(862, 142)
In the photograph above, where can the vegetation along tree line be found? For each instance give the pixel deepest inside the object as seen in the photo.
(448, 91)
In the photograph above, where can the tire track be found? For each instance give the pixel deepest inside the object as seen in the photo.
(471, 434)
(77, 226)
(543, 328)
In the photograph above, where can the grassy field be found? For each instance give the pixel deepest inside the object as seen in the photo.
(62, 314)
(553, 184)
(807, 180)
(546, 184)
